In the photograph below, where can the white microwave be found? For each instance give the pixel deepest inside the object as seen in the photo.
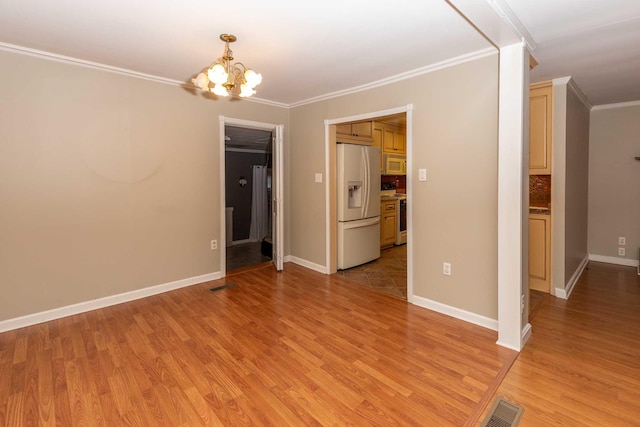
(395, 164)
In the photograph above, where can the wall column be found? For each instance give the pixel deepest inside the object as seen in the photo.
(513, 186)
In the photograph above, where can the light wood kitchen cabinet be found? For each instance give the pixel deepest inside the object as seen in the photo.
(540, 252)
(540, 128)
(393, 141)
(388, 222)
(356, 132)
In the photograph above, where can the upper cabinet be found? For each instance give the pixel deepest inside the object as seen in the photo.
(388, 136)
(357, 132)
(540, 128)
(392, 138)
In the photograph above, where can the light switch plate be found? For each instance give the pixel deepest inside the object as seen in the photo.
(318, 177)
(422, 174)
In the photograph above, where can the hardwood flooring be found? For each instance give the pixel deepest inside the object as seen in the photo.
(581, 366)
(290, 348)
(303, 348)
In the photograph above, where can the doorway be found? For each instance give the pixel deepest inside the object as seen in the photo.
(390, 272)
(248, 195)
(252, 175)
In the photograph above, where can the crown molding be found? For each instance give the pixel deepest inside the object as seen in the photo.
(87, 64)
(402, 76)
(171, 82)
(561, 81)
(116, 70)
(495, 20)
(509, 17)
(580, 94)
(571, 84)
(616, 105)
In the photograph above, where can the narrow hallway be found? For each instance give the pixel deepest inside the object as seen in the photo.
(582, 363)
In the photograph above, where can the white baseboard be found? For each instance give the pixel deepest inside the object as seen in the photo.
(304, 263)
(526, 334)
(566, 292)
(457, 313)
(82, 307)
(614, 260)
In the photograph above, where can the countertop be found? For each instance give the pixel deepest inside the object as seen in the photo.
(539, 210)
(397, 196)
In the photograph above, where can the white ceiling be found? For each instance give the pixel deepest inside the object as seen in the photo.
(597, 42)
(305, 50)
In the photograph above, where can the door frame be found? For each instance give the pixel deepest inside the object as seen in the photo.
(331, 234)
(277, 184)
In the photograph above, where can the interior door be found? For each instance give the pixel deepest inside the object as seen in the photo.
(278, 199)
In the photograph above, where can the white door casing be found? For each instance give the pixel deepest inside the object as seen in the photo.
(277, 185)
(278, 199)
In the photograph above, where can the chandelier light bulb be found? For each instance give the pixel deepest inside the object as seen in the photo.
(217, 74)
(219, 90)
(252, 78)
(246, 90)
(201, 81)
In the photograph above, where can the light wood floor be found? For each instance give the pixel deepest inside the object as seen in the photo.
(302, 348)
(291, 348)
(581, 366)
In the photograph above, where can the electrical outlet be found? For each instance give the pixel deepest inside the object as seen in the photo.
(446, 268)
(522, 304)
(622, 241)
(318, 177)
(621, 251)
(214, 245)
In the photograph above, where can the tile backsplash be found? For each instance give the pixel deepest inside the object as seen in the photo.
(540, 191)
(400, 180)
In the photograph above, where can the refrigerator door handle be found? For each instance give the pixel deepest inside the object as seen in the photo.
(366, 181)
(362, 223)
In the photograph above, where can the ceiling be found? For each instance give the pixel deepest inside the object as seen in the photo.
(597, 42)
(307, 50)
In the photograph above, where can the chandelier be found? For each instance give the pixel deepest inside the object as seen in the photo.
(226, 76)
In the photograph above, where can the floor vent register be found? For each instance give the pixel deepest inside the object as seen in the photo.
(503, 414)
(225, 286)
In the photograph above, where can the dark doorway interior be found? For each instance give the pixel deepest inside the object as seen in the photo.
(248, 165)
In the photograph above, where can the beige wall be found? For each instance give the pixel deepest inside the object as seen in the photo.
(108, 183)
(455, 136)
(569, 182)
(307, 197)
(614, 179)
(576, 184)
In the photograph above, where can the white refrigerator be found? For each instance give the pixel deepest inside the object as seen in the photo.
(358, 204)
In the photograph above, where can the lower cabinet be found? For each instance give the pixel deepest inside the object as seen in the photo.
(540, 252)
(388, 215)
